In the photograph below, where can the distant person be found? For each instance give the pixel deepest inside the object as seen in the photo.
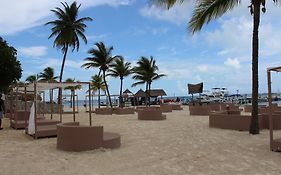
(2, 110)
(178, 99)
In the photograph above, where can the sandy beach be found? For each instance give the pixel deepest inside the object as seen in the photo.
(182, 144)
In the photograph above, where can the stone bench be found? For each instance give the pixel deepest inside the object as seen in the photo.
(123, 111)
(199, 110)
(166, 108)
(104, 111)
(74, 137)
(276, 121)
(176, 107)
(231, 121)
(151, 114)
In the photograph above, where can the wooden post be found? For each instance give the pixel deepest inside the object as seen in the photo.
(52, 104)
(270, 108)
(25, 106)
(44, 103)
(12, 110)
(60, 104)
(35, 109)
(16, 106)
(73, 104)
(77, 105)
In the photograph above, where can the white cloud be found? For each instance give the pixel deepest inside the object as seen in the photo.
(98, 37)
(179, 14)
(233, 38)
(20, 15)
(232, 63)
(202, 68)
(50, 62)
(34, 51)
(150, 30)
(74, 64)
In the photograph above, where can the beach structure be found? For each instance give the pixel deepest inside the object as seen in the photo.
(231, 120)
(150, 113)
(49, 130)
(19, 117)
(194, 89)
(140, 97)
(74, 137)
(275, 143)
(154, 93)
(73, 100)
(70, 136)
(166, 108)
(206, 109)
(127, 100)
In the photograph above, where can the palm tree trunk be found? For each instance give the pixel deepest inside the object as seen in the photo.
(71, 97)
(146, 92)
(120, 96)
(254, 127)
(99, 98)
(61, 72)
(149, 88)
(50, 93)
(107, 90)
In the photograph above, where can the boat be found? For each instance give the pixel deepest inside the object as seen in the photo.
(215, 95)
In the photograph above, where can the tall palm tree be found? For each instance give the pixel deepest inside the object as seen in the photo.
(72, 88)
(31, 78)
(207, 10)
(48, 75)
(120, 69)
(97, 84)
(102, 59)
(146, 73)
(67, 29)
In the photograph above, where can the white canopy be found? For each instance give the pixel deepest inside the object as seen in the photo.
(47, 86)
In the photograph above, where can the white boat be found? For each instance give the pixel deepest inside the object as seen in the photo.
(216, 95)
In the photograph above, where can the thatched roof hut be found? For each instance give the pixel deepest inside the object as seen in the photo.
(140, 93)
(157, 93)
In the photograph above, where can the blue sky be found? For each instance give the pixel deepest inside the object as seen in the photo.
(219, 55)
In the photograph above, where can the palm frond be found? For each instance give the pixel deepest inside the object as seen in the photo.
(206, 10)
(167, 3)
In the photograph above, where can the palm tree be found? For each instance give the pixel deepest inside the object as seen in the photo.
(97, 84)
(48, 75)
(102, 59)
(72, 88)
(120, 69)
(206, 10)
(31, 78)
(145, 72)
(67, 29)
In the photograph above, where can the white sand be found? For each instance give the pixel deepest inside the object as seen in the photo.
(182, 144)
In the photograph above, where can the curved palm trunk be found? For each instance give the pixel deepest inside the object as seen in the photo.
(120, 96)
(254, 127)
(61, 73)
(107, 90)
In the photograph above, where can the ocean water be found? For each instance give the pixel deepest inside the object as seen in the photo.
(115, 101)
